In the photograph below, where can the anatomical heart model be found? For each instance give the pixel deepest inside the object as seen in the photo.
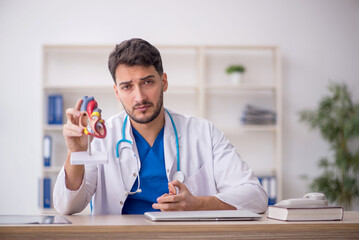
(90, 118)
(94, 125)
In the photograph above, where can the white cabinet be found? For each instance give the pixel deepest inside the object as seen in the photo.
(198, 85)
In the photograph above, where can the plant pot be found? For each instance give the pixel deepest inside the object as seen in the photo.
(236, 78)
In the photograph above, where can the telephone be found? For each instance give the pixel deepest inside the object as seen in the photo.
(313, 199)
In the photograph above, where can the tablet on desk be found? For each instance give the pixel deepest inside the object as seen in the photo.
(216, 215)
(32, 219)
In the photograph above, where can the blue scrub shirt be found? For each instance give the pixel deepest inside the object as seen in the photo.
(153, 176)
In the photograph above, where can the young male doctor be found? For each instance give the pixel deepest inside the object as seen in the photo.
(161, 150)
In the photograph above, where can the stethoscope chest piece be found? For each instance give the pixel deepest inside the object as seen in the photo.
(179, 175)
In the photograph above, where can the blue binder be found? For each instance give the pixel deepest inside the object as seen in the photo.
(47, 193)
(269, 183)
(47, 149)
(55, 109)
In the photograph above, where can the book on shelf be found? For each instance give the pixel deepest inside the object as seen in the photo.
(47, 149)
(293, 213)
(47, 192)
(55, 109)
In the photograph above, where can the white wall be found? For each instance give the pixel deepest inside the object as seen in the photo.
(318, 38)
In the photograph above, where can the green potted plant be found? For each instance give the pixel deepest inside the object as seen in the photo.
(337, 119)
(235, 72)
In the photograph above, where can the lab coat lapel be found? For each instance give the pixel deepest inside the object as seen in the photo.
(169, 144)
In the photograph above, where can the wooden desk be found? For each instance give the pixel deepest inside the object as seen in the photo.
(138, 227)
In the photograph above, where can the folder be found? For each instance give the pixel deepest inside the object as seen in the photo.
(47, 149)
(47, 193)
(55, 109)
(269, 184)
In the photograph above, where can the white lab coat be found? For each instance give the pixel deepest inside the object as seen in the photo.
(209, 161)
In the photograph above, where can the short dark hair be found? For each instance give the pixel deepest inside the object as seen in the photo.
(133, 52)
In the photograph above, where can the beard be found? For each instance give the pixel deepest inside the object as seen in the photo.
(150, 118)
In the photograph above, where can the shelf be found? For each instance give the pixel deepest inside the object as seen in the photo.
(250, 128)
(176, 89)
(269, 172)
(57, 127)
(77, 88)
(53, 169)
(243, 47)
(241, 87)
(198, 86)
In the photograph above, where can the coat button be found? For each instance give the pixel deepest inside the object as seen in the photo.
(121, 203)
(135, 174)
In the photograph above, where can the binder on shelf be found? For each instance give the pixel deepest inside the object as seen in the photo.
(55, 109)
(269, 183)
(47, 149)
(47, 193)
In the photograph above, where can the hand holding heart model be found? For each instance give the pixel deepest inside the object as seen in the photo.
(90, 118)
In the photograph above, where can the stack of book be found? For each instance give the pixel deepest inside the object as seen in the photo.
(253, 115)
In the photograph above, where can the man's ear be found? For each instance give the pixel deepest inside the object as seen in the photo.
(164, 82)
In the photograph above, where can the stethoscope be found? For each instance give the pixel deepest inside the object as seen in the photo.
(179, 175)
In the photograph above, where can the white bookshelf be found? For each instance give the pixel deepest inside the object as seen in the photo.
(198, 85)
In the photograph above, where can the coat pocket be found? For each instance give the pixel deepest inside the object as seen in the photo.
(200, 184)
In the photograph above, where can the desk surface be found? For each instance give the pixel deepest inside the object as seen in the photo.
(138, 227)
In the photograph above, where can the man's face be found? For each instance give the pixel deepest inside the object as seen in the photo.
(140, 90)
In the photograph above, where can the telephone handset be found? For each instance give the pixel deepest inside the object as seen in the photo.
(308, 200)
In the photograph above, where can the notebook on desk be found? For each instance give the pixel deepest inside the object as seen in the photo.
(217, 215)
